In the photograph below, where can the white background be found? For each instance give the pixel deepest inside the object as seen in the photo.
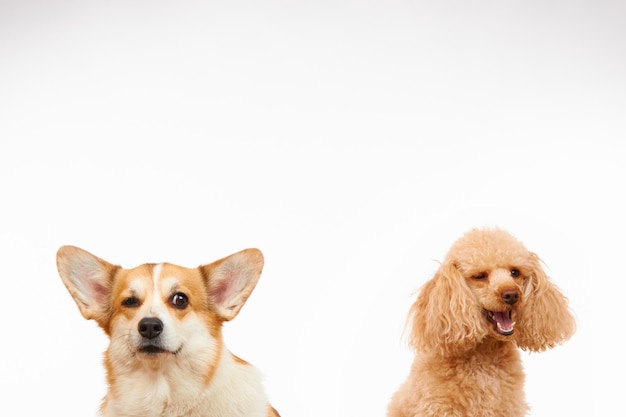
(351, 141)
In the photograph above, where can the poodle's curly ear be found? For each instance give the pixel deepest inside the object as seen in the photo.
(445, 317)
(546, 320)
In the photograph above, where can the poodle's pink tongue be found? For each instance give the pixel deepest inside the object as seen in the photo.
(505, 325)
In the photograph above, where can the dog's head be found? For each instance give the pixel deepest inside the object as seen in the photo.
(156, 313)
(489, 286)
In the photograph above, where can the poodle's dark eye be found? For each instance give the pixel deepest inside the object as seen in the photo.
(479, 276)
(180, 300)
(515, 273)
(131, 302)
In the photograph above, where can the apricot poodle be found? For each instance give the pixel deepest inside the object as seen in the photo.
(489, 297)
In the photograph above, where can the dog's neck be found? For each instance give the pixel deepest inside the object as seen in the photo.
(492, 347)
(487, 350)
(182, 391)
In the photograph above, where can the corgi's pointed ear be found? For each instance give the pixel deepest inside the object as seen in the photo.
(232, 279)
(88, 279)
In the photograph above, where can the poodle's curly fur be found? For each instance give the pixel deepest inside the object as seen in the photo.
(489, 297)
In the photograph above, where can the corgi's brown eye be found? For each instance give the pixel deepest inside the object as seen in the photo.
(180, 300)
(131, 302)
(515, 273)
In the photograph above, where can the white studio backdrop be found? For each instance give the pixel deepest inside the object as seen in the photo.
(352, 142)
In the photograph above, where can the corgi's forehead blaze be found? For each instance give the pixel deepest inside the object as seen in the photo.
(162, 278)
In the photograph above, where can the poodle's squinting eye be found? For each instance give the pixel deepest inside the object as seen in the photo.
(482, 275)
(515, 273)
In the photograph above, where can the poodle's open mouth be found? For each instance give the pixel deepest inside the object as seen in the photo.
(501, 321)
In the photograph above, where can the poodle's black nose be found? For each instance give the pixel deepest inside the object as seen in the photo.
(150, 327)
(510, 297)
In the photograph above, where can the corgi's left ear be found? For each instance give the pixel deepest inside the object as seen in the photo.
(88, 279)
(232, 279)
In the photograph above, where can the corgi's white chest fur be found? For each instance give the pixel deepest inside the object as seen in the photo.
(166, 356)
(175, 394)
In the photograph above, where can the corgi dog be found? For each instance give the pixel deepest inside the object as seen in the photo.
(166, 356)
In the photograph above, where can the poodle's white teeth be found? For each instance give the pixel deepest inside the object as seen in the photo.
(503, 330)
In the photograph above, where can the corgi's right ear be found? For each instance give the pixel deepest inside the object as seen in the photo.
(88, 279)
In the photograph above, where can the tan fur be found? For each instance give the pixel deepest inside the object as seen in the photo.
(166, 359)
(463, 366)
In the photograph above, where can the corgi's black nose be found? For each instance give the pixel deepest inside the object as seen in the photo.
(150, 327)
